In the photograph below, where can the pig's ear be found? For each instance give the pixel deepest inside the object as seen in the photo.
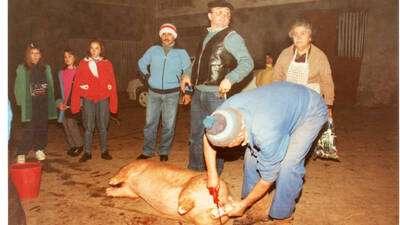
(185, 205)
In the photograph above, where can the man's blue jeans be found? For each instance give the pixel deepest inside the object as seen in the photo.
(290, 179)
(95, 113)
(165, 105)
(203, 104)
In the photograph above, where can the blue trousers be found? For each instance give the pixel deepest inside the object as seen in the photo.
(290, 179)
(203, 104)
(165, 105)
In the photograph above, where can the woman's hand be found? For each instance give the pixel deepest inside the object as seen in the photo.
(62, 106)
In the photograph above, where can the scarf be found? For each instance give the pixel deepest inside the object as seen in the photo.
(92, 65)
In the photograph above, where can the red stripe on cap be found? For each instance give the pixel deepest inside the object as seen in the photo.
(168, 26)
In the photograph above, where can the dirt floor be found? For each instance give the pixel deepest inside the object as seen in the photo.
(362, 189)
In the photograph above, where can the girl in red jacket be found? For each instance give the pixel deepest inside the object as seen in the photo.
(95, 84)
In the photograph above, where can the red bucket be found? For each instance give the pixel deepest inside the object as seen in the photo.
(26, 178)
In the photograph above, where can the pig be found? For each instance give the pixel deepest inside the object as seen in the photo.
(176, 192)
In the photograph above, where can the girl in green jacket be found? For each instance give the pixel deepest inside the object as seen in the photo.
(34, 93)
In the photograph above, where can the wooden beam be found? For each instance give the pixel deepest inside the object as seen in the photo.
(200, 6)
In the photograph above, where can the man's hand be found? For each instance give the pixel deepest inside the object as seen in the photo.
(213, 181)
(186, 99)
(210, 159)
(214, 193)
(213, 187)
(225, 86)
(238, 209)
(146, 77)
(185, 80)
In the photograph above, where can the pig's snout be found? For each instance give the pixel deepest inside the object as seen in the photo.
(114, 181)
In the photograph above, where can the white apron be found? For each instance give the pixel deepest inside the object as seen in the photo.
(298, 73)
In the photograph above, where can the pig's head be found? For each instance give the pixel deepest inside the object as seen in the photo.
(132, 170)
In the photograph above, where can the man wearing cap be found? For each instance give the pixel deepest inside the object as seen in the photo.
(167, 64)
(222, 60)
(278, 123)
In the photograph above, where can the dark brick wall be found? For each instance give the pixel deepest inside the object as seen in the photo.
(57, 24)
(130, 29)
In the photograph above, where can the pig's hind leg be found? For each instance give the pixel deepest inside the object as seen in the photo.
(123, 191)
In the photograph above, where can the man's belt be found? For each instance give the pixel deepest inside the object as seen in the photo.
(211, 83)
(164, 91)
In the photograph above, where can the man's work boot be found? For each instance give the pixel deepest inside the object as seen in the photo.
(143, 156)
(163, 158)
(248, 220)
(105, 155)
(258, 212)
(85, 157)
(75, 151)
(272, 221)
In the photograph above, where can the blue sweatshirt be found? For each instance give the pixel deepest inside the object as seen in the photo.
(165, 70)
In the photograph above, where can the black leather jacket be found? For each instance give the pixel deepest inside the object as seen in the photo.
(214, 61)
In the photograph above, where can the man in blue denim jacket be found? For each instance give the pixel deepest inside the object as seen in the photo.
(167, 65)
(278, 123)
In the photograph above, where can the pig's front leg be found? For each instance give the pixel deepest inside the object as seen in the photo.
(185, 204)
(123, 191)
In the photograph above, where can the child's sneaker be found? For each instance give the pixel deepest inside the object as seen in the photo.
(20, 158)
(40, 155)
